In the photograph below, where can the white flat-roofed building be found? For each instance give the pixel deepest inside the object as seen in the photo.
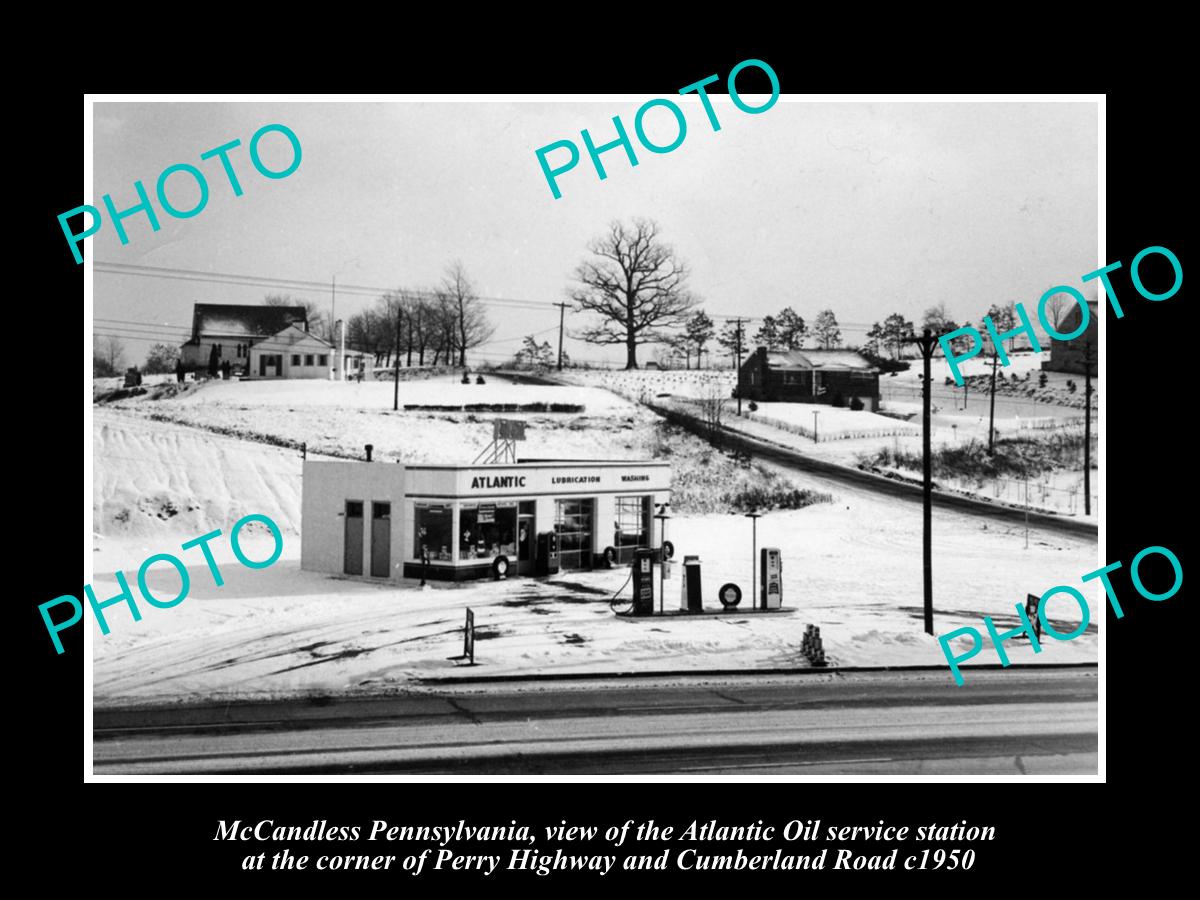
(380, 519)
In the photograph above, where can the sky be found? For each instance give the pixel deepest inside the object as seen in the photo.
(863, 208)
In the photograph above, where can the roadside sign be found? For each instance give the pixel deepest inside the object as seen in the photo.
(469, 637)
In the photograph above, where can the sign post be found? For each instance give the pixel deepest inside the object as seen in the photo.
(469, 637)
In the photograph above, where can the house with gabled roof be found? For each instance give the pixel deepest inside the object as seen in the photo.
(232, 329)
(292, 353)
(834, 377)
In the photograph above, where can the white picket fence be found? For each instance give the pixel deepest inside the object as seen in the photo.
(823, 436)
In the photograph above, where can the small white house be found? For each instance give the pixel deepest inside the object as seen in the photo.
(292, 353)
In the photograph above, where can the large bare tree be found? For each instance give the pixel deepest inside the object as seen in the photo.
(313, 312)
(636, 284)
(457, 294)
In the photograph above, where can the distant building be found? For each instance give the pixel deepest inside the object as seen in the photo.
(1068, 356)
(809, 376)
(292, 353)
(233, 330)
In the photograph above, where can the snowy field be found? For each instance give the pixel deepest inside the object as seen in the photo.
(340, 418)
(852, 567)
(829, 421)
(650, 383)
(447, 390)
(846, 435)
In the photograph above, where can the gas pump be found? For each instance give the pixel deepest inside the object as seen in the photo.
(771, 578)
(546, 562)
(643, 582)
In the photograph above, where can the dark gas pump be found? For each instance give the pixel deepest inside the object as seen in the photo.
(643, 582)
(547, 554)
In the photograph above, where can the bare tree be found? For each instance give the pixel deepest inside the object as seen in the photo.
(1057, 309)
(457, 294)
(712, 411)
(108, 356)
(636, 284)
(313, 313)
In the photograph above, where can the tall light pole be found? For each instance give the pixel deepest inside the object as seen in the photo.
(396, 369)
(927, 342)
(662, 517)
(753, 516)
(991, 414)
(1087, 427)
(737, 333)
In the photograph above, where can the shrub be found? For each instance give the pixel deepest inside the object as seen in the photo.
(753, 406)
(856, 404)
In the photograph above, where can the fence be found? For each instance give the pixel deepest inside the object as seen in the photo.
(830, 435)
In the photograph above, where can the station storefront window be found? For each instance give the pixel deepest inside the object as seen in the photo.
(433, 529)
(574, 521)
(487, 531)
(632, 526)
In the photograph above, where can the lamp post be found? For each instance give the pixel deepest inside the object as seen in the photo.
(816, 412)
(662, 517)
(927, 342)
(753, 516)
(1087, 427)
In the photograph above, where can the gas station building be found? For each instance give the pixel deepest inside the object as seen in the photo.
(531, 517)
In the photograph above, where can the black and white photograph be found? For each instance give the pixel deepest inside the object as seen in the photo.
(688, 436)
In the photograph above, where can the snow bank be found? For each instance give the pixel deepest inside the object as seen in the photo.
(151, 478)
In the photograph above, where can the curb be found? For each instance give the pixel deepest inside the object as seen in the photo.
(710, 673)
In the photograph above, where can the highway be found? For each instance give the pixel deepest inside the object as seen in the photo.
(1030, 721)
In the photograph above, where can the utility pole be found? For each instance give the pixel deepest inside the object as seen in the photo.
(927, 342)
(333, 299)
(562, 312)
(396, 369)
(1087, 427)
(992, 414)
(737, 333)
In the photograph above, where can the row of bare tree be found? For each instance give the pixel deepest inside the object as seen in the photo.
(423, 326)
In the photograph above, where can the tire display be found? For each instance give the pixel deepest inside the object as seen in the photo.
(730, 595)
(500, 567)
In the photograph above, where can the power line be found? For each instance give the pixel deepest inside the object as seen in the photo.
(263, 281)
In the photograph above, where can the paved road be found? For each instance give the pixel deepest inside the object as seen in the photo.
(1026, 721)
(789, 458)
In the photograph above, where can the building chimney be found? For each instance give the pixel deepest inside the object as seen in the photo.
(370, 447)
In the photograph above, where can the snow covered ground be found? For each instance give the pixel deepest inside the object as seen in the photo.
(339, 418)
(638, 383)
(846, 435)
(378, 395)
(852, 567)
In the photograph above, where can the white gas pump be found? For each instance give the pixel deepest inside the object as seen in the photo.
(771, 578)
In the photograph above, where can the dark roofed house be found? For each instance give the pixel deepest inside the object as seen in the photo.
(834, 377)
(233, 329)
(1068, 356)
